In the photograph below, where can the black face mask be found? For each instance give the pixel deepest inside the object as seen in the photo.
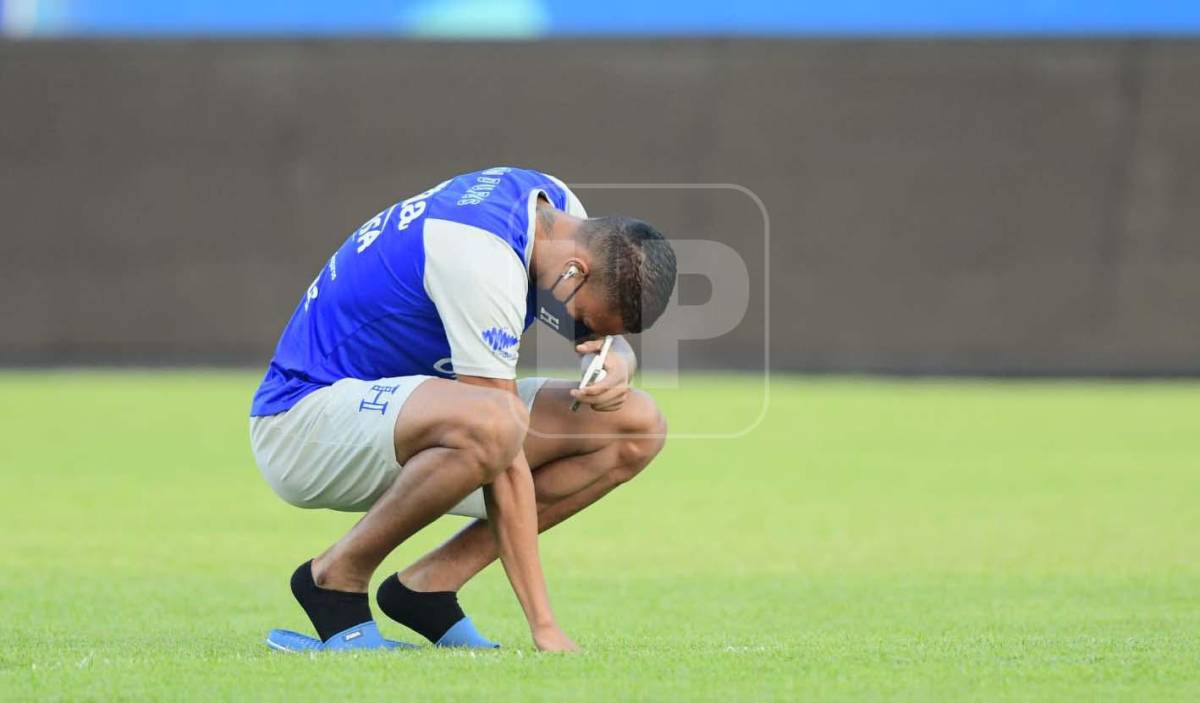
(553, 312)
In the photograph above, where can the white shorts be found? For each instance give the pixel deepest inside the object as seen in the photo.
(335, 448)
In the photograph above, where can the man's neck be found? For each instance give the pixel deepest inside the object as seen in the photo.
(544, 231)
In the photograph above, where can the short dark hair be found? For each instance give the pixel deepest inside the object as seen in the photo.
(638, 267)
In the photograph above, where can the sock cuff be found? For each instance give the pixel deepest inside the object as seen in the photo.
(303, 581)
(394, 584)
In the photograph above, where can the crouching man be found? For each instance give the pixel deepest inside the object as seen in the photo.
(393, 392)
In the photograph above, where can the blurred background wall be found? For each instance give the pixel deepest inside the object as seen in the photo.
(963, 203)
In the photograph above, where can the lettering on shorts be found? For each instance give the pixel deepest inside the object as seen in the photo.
(377, 404)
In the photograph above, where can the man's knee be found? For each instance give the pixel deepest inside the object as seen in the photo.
(493, 430)
(644, 431)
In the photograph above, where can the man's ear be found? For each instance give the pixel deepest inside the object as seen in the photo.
(576, 268)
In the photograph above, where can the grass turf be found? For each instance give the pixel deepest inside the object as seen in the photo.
(867, 540)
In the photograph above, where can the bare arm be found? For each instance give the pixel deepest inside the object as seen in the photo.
(512, 516)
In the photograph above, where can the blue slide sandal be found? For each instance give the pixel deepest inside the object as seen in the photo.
(464, 634)
(363, 636)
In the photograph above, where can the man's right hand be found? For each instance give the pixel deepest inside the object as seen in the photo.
(552, 639)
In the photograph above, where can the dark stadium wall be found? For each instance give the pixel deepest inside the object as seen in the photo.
(992, 207)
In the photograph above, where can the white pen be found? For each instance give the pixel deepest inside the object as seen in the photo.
(595, 370)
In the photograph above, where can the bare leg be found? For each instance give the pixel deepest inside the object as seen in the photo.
(571, 474)
(451, 438)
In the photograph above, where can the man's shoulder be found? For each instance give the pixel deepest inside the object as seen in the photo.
(496, 201)
(460, 245)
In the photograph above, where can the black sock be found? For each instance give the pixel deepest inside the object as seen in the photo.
(330, 611)
(429, 614)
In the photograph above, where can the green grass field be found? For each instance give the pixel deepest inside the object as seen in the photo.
(869, 540)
